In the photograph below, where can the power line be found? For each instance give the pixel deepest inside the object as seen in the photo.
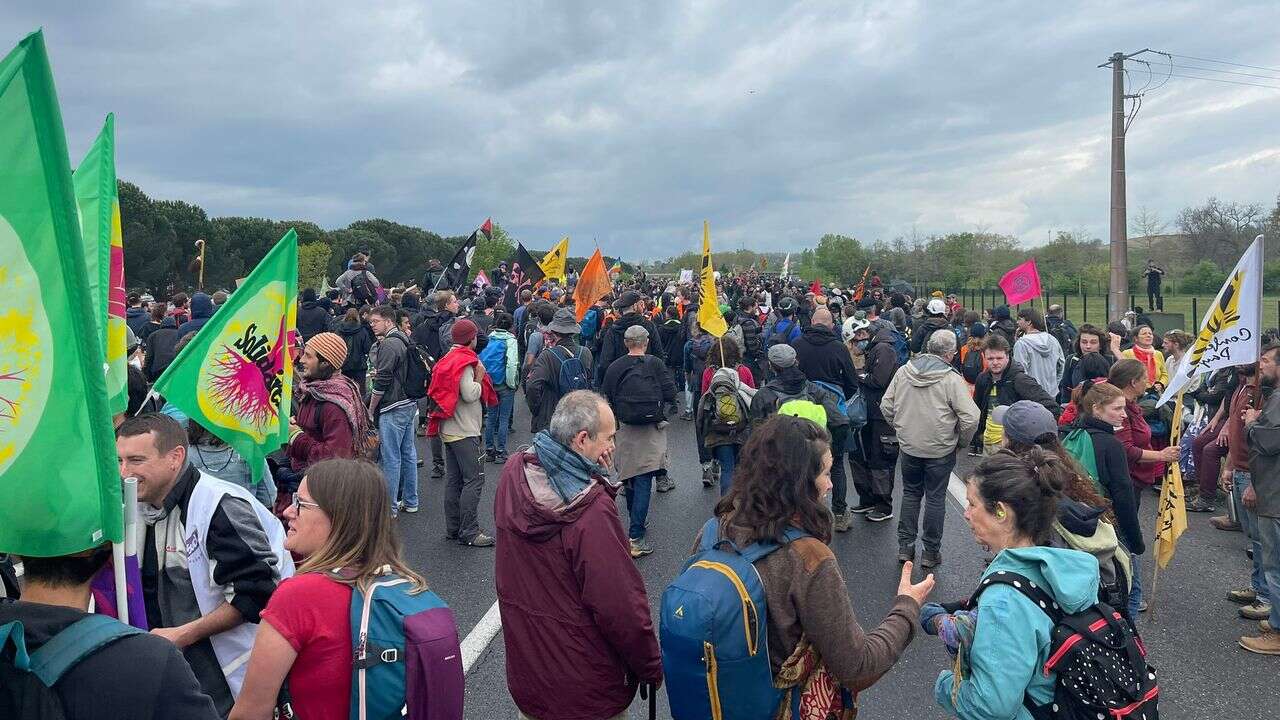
(1199, 68)
(1226, 62)
(1230, 82)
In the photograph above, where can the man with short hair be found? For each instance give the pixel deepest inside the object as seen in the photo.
(1004, 382)
(395, 413)
(313, 318)
(1062, 329)
(330, 419)
(461, 389)
(638, 388)
(106, 683)
(135, 316)
(929, 407)
(1038, 352)
(575, 616)
(211, 555)
(1262, 497)
(1154, 275)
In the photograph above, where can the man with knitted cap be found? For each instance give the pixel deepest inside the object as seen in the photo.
(460, 389)
(331, 421)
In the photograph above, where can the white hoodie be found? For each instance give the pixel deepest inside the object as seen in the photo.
(1041, 356)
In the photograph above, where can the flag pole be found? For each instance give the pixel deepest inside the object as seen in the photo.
(1175, 438)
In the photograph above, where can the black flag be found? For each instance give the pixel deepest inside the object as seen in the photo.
(524, 274)
(455, 276)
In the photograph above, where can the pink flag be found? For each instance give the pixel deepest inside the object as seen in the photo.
(1021, 283)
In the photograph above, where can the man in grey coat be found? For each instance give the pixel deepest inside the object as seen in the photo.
(1263, 494)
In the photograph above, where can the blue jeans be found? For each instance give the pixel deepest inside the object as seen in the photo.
(1135, 562)
(1269, 533)
(399, 454)
(728, 457)
(638, 490)
(1248, 520)
(497, 421)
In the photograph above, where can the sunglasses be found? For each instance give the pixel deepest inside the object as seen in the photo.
(299, 503)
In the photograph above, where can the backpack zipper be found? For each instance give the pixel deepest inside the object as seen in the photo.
(713, 688)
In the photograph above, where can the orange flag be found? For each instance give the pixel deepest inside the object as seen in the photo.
(593, 284)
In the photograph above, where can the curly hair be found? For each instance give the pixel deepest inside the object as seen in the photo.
(723, 354)
(1078, 486)
(773, 486)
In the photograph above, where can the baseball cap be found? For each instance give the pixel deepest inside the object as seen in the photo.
(1024, 421)
(936, 307)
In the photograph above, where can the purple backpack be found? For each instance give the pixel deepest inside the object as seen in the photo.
(406, 657)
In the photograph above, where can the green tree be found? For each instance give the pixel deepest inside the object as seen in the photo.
(840, 258)
(313, 264)
(1203, 277)
(491, 251)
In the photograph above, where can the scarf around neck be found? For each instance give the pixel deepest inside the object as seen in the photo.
(568, 472)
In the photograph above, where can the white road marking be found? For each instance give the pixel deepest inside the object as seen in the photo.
(474, 645)
(955, 488)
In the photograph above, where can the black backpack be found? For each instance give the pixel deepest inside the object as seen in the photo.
(638, 396)
(1099, 659)
(27, 680)
(417, 373)
(363, 291)
(972, 367)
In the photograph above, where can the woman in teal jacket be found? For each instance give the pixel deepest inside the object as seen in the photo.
(1012, 506)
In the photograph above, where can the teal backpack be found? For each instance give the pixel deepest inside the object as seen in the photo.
(29, 679)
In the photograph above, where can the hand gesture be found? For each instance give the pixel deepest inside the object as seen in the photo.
(918, 591)
(1169, 454)
(1250, 416)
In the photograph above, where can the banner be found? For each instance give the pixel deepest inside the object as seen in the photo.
(786, 267)
(553, 263)
(593, 284)
(455, 276)
(59, 479)
(235, 377)
(481, 281)
(1022, 283)
(1229, 334)
(1171, 517)
(709, 316)
(99, 207)
(523, 275)
(686, 276)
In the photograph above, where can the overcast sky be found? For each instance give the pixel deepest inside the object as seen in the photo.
(632, 122)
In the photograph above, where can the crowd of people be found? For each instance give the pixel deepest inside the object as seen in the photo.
(811, 389)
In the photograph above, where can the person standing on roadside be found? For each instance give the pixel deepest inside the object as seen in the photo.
(1261, 498)
(395, 413)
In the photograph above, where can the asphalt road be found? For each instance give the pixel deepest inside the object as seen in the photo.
(1190, 632)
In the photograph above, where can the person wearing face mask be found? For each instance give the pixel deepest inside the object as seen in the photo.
(872, 460)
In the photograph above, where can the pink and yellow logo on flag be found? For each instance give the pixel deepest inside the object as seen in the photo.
(235, 377)
(1021, 283)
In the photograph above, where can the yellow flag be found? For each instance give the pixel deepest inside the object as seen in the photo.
(1171, 518)
(553, 263)
(709, 316)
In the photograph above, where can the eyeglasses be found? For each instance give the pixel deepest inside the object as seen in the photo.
(299, 503)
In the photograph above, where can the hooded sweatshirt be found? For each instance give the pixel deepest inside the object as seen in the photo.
(929, 406)
(201, 311)
(1041, 356)
(1011, 643)
(575, 615)
(823, 358)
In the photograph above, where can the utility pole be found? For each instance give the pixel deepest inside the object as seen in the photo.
(1118, 298)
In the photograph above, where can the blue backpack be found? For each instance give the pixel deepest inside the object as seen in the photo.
(27, 680)
(784, 331)
(406, 658)
(854, 408)
(573, 374)
(901, 348)
(590, 324)
(494, 357)
(714, 636)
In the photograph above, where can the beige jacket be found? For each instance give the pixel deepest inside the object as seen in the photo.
(929, 407)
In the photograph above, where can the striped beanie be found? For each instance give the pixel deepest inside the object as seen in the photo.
(329, 346)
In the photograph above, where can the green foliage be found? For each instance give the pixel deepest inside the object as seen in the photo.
(840, 258)
(491, 251)
(1203, 277)
(313, 264)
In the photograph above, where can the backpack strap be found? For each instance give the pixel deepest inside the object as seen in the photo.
(74, 643)
(1022, 584)
(710, 534)
(15, 632)
(756, 551)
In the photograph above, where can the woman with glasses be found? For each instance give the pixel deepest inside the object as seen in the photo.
(340, 523)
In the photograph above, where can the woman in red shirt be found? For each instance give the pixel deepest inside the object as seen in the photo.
(724, 446)
(340, 520)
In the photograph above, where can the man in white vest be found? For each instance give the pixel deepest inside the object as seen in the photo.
(211, 555)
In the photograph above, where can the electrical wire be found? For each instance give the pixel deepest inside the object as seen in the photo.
(1229, 82)
(1227, 62)
(1228, 72)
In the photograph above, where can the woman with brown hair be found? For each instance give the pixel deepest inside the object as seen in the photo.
(814, 638)
(340, 522)
(724, 359)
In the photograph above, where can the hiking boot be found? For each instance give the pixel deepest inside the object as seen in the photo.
(1257, 610)
(863, 508)
(1222, 522)
(906, 553)
(1243, 597)
(842, 522)
(480, 540)
(640, 548)
(931, 558)
(880, 514)
(1267, 643)
(1200, 504)
(666, 484)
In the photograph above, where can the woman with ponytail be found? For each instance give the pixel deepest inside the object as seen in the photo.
(1012, 505)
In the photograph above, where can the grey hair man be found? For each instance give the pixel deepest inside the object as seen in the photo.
(929, 407)
(569, 596)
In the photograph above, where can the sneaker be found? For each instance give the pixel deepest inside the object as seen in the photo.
(1222, 522)
(480, 540)
(420, 463)
(490, 455)
(686, 415)
(1257, 610)
(974, 452)
(708, 474)
(1200, 505)
(880, 515)
(863, 508)
(1143, 606)
(640, 548)
(1243, 597)
(666, 484)
(437, 473)
(906, 553)
(931, 559)
(411, 509)
(500, 457)
(842, 522)
(1265, 644)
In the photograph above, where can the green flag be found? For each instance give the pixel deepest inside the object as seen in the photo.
(59, 482)
(95, 183)
(235, 377)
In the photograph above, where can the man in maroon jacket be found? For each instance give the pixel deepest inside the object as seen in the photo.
(331, 421)
(575, 616)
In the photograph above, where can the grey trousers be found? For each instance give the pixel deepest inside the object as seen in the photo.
(464, 481)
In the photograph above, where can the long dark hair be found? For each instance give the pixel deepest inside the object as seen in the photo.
(773, 485)
(1078, 486)
(1029, 484)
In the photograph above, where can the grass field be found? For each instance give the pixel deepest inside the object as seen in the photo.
(1076, 307)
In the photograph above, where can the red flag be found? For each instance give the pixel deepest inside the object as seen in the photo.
(816, 287)
(1021, 283)
(487, 228)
